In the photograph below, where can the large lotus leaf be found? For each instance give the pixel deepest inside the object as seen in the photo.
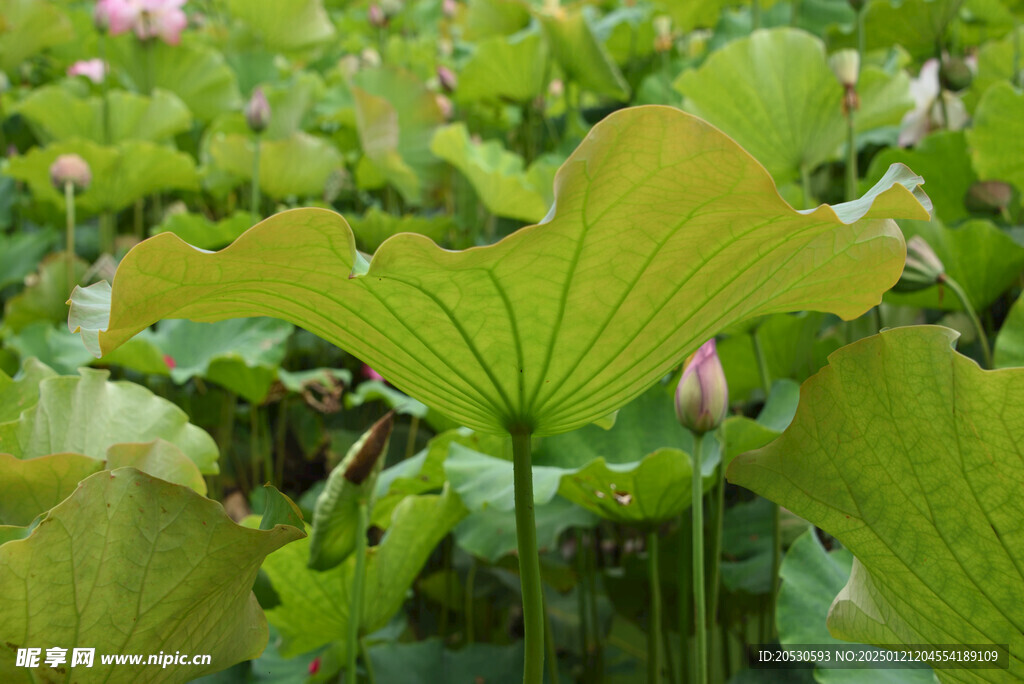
(20, 254)
(28, 27)
(242, 355)
(561, 323)
(121, 174)
(581, 56)
(514, 67)
(995, 62)
(197, 230)
(87, 414)
(28, 488)
(299, 165)
(53, 345)
(943, 159)
(997, 136)
(158, 458)
(490, 533)
(45, 295)
(425, 662)
(376, 226)
(396, 116)
(915, 25)
(909, 454)
(486, 18)
(983, 259)
(1009, 347)
(690, 15)
(285, 25)
(314, 606)
(792, 346)
(55, 113)
(811, 578)
(498, 176)
(194, 72)
(22, 392)
(783, 103)
(132, 564)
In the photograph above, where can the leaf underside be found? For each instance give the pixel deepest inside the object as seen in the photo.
(664, 231)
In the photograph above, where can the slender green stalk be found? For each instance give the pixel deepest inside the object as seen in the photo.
(755, 14)
(860, 35)
(356, 609)
(280, 440)
(69, 240)
(549, 646)
(595, 617)
(942, 92)
(410, 443)
(685, 596)
(700, 600)
(986, 350)
(529, 561)
(581, 604)
(470, 581)
(367, 663)
(254, 201)
(762, 363)
(851, 158)
(106, 233)
(805, 183)
(654, 641)
(670, 662)
(776, 564)
(715, 547)
(101, 45)
(138, 218)
(446, 570)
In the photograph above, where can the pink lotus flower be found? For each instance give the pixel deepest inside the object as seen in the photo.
(93, 69)
(928, 113)
(148, 19)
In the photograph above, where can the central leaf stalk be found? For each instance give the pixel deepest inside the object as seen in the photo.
(529, 560)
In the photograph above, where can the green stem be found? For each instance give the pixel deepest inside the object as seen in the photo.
(367, 663)
(280, 441)
(805, 183)
(942, 92)
(715, 548)
(549, 645)
(69, 240)
(410, 443)
(529, 561)
(581, 604)
(776, 564)
(762, 363)
(356, 609)
(670, 662)
(755, 14)
(254, 201)
(104, 105)
(106, 233)
(138, 218)
(654, 641)
(851, 158)
(685, 596)
(986, 350)
(446, 570)
(698, 563)
(470, 581)
(595, 624)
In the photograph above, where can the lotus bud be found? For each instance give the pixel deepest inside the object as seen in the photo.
(370, 57)
(446, 77)
(257, 112)
(702, 396)
(955, 74)
(449, 8)
(444, 105)
(923, 267)
(662, 33)
(846, 66)
(857, 5)
(989, 197)
(365, 453)
(556, 88)
(376, 16)
(70, 168)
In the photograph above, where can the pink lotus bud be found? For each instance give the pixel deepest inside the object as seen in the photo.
(161, 18)
(70, 168)
(702, 396)
(444, 104)
(376, 16)
(116, 16)
(93, 69)
(449, 7)
(257, 112)
(446, 77)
